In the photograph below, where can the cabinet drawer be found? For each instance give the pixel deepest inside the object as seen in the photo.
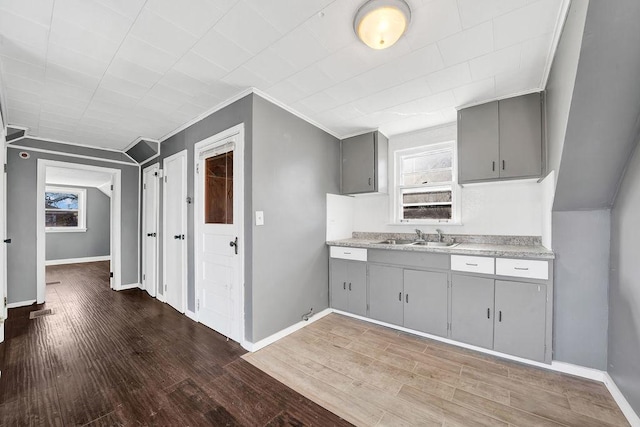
(356, 254)
(522, 268)
(473, 264)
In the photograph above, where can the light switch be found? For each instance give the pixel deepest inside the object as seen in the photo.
(259, 217)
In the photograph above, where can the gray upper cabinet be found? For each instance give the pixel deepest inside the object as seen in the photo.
(501, 140)
(472, 303)
(348, 286)
(520, 327)
(478, 149)
(386, 294)
(425, 301)
(364, 163)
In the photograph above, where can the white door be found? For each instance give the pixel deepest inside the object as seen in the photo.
(3, 233)
(219, 233)
(150, 229)
(175, 230)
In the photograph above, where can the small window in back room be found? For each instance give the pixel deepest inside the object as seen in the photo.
(64, 209)
(425, 189)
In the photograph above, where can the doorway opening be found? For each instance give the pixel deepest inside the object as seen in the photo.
(78, 220)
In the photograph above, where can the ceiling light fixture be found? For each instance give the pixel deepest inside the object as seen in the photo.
(381, 23)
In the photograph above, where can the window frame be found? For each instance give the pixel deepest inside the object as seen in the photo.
(397, 187)
(82, 211)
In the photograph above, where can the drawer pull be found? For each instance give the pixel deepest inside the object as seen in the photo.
(344, 285)
(347, 253)
(349, 285)
(488, 313)
(500, 316)
(400, 296)
(406, 298)
(472, 265)
(521, 268)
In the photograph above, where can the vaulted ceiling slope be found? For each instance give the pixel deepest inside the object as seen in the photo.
(105, 72)
(604, 119)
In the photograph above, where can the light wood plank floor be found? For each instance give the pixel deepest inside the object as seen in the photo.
(375, 376)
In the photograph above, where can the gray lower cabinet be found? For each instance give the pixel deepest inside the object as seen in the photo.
(520, 320)
(349, 286)
(472, 303)
(410, 298)
(385, 294)
(425, 301)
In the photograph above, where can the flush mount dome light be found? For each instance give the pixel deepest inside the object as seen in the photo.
(380, 23)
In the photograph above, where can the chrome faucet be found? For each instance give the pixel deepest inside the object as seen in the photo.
(439, 234)
(420, 235)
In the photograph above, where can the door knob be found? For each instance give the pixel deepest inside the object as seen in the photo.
(179, 237)
(234, 244)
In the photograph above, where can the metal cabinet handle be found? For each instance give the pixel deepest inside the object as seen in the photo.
(344, 285)
(500, 316)
(234, 244)
(369, 181)
(493, 166)
(503, 164)
(521, 268)
(472, 265)
(400, 296)
(349, 285)
(488, 313)
(406, 298)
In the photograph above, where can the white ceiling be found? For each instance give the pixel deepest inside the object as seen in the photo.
(105, 72)
(77, 177)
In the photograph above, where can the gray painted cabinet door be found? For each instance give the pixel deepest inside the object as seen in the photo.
(521, 136)
(478, 143)
(358, 164)
(385, 294)
(472, 314)
(357, 287)
(338, 282)
(520, 319)
(426, 301)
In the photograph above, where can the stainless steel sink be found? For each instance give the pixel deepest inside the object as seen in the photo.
(434, 244)
(396, 242)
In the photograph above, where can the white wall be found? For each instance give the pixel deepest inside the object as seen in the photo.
(504, 208)
(339, 216)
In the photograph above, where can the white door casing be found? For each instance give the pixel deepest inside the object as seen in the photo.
(150, 233)
(3, 232)
(116, 222)
(219, 270)
(174, 208)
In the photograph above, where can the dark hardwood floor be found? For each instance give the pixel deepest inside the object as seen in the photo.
(106, 358)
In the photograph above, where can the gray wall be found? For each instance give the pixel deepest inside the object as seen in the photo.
(232, 115)
(581, 244)
(605, 108)
(92, 243)
(21, 220)
(559, 90)
(295, 165)
(624, 292)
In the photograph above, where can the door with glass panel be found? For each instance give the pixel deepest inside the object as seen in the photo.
(219, 245)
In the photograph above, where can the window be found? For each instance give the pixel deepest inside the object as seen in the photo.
(64, 209)
(425, 185)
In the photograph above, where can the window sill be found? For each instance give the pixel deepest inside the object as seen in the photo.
(65, 230)
(438, 223)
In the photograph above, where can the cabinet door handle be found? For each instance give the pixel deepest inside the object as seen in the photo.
(406, 298)
(400, 296)
(500, 316)
(344, 285)
(488, 313)
(493, 166)
(472, 265)
(503, 164)
(349, 285)
(369, 181)
(521, 268)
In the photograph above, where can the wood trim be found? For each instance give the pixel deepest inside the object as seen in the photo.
(78, 260)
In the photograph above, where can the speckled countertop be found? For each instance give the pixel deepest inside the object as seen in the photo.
(533, 251)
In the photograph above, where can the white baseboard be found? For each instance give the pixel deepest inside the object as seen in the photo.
(283, 333)
(129, 286)
(21, 303)
(191, 315)
(77, 260)
(622, 402)
(578, 371)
